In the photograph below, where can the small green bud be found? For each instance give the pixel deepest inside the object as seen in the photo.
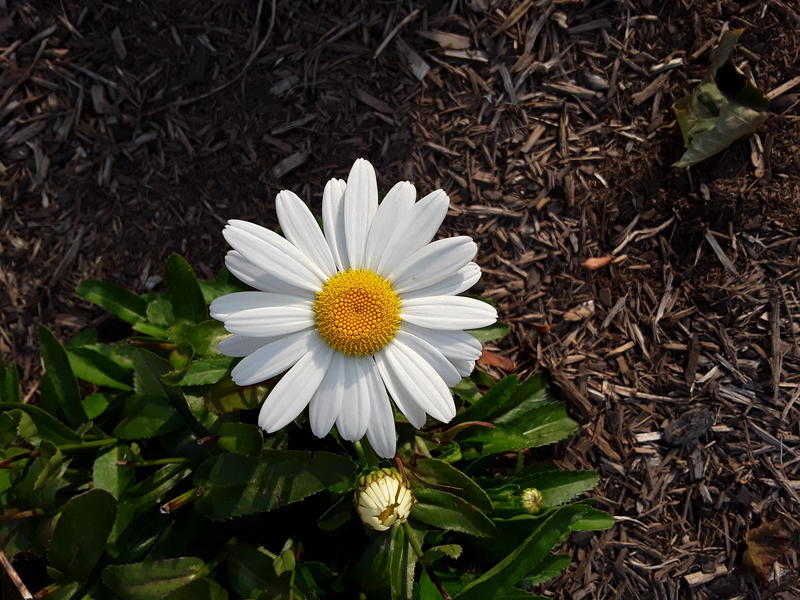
(531, 499)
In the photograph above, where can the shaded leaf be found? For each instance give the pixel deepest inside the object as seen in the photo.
(491, 401)
(434, 553)
(80, 534)
(199, 589)
(60, 393)
(63, 592)
(43, 479)
(557, 486)
(402, 564)
(41, 424)
(9, 383)
(184, 291)
(235, 485)
(251, 573)
(592, 520)
(447, 511)
(549, 568)
(201, 337)
(225, 396)
(240, 438)
(441, 475)
(522, 559)
(145, 417)
(152, 579)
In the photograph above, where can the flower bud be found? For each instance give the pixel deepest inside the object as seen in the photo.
(384, 499)
(531, 500)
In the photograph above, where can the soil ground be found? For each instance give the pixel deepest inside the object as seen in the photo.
(130, 130)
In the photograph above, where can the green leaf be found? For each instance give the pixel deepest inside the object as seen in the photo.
(593, 520)
(490, 402)
(522, 559)
(205, 371)
(490, 332)
(40, 424)
(201, 337)
(199, 589)
(95, 404)
(154, 579)
(119, 301)
(337, 515)
(43, 479)
(60, 393)
(63, 592)
(251, 573)
(235, 485)
(225, 397)
(441, 475)
(110, 476)
(467, 390)
(447, 511)
(145, 417)
(437, 552)
(549, 568)
(184, 292)
(9, 383)
(81, 532)
(402, 563)
(545, 424)
(559, 486)
(159, 312)
(240, 438)
(152, 491)
(94, 367)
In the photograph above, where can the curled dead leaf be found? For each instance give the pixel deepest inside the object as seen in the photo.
(765, 544)
(490, 359)
(597, 262)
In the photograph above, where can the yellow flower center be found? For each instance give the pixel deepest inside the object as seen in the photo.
(357, 312)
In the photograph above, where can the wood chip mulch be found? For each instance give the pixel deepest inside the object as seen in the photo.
(665, 304)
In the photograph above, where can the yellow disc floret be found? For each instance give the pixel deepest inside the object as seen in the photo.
(357, 312)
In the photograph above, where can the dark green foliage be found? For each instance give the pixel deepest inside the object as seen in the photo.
(139, 472)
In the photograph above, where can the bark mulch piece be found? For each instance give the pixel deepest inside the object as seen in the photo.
(665, 304)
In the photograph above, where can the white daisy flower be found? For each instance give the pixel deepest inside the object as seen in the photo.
(369, 307)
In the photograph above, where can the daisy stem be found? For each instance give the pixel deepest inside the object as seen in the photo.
(412, 539)
(366, 455)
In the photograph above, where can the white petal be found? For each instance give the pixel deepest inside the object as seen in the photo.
(273, 254)
(274, 357)
(457, 345)
(239, 345)
(360, 205)
(432, 356)
(420, 381)
(419, 228)
(301, 229)
(293, 392)
(270, 321)
(405, 402)
(459, 282)
(248, 273)
(448, 312)
(380, 431)
(333, 221)
(354, 413)
(228, 304)
(327, 400)
(464, 367)
(393, 209)
(433, 263)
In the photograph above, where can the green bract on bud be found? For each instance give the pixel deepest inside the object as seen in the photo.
(531, 499)
(384, 499)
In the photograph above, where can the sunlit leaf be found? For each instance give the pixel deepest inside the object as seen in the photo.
(184, 291)
(117, 300)
(108, 475)
(490, 332)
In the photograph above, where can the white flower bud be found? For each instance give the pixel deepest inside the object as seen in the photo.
(384, 499)
(532, 500)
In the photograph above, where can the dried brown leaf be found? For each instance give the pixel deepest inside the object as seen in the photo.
(765, 544)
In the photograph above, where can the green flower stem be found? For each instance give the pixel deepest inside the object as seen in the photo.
(21, 514)
(183, 499)
(155, 462)
(418, 551)
(90, 444)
